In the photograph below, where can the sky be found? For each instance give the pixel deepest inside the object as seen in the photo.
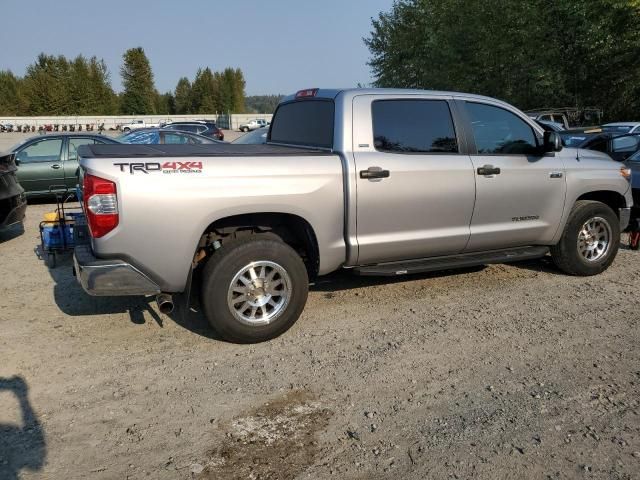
(281, 45)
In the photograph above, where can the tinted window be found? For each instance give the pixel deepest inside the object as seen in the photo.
(175, 138)
(413, 126)
(74, 143)
(499, 131)
(305, 122)
(625, 144)
(42, 151)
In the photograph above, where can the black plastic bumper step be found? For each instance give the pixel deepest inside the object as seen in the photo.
(407, 267)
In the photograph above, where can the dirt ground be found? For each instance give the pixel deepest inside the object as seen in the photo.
(503, 372)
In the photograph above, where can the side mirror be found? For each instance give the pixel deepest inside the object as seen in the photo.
(552, 142)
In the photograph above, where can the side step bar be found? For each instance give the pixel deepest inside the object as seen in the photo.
(407, 267)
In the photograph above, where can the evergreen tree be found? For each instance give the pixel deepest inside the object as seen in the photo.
(182, 96)
(205, 92)
(137, 78)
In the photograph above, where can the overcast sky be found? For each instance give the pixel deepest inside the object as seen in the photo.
(280, 45)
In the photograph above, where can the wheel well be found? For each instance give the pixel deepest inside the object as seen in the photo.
(293, 230)
(613, 199)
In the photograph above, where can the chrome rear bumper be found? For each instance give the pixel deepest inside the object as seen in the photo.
(111, 277)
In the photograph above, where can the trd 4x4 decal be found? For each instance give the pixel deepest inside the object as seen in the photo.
(166, 167)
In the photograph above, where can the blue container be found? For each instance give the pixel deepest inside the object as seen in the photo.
(52, 236)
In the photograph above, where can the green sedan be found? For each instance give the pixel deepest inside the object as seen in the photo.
(49, 163)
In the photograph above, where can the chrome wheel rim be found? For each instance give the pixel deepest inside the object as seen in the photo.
(594, 239)
(259, 293)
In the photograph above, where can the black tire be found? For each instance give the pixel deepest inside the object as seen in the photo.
(566, 254)
(126, 130)
(51, 259)
(223, 267)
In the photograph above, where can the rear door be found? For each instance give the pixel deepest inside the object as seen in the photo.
(415, 186)
(40, 165)
(520, 192)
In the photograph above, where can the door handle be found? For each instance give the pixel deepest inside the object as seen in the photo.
(555, 175)
(55, 166)
(488, 170)
(374, 173)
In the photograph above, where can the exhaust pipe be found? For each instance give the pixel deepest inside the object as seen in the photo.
(165, 303)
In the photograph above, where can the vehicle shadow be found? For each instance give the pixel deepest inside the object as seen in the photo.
(11, 232)
(21, 446)
(74, 301)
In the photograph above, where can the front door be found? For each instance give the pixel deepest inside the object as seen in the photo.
(40, 166)
(520, 192)
(415, 190)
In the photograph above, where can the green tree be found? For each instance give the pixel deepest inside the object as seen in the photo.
(11, 101)
(262, 103)
(205, 92)
(182, 96)
(138, 97)
(533, 54)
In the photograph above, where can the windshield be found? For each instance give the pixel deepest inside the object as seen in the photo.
(304, 122)
(617, 128)
(573, 139)
(254, 138)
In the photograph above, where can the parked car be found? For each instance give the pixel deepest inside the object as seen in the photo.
(550, 116)
(548, 126)
(51, 161)
(622, 127)
(137, 125)
(253, 125)
(378, 182)
(253, 138)
(152, 136)
(13, 202)
(200, 127)
(618, 147)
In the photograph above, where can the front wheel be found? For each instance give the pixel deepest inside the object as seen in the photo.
(254, 289)
(590, 240)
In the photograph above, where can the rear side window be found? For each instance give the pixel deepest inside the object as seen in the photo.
(413, 126)
(304, 122)
(498, 131)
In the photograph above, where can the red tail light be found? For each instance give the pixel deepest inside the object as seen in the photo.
(100, 200)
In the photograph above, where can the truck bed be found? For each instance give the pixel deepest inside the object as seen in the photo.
(188, 150)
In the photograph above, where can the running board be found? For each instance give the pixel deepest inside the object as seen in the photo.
(407, 267)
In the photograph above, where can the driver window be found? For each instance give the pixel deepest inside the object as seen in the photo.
(500, 132)
(42, 151)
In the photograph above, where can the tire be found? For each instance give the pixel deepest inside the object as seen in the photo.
(235, 306)
(51, 260)
(590, 240)
(126, 130)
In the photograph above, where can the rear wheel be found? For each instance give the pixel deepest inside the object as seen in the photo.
(254, 289)
(590, 240)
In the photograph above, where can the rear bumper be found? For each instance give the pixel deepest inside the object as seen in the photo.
(111, 277)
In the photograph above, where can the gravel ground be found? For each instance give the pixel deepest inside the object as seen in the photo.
(498, 372)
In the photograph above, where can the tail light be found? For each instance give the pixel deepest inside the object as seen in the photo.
(100, 201)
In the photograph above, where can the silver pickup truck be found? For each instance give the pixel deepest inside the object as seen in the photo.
(381, 182)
